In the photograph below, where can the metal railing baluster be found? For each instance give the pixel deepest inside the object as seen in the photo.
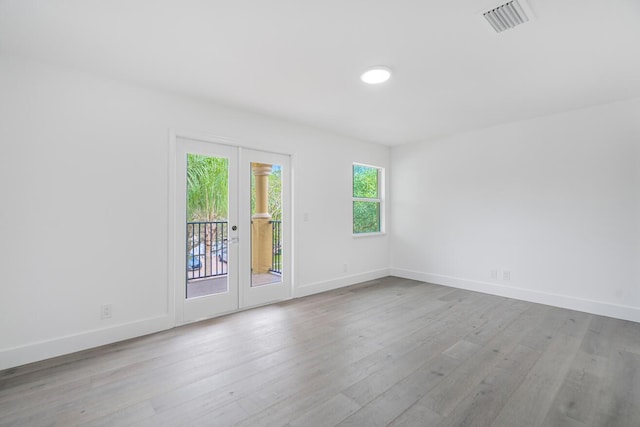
(201, 264)
(276, 246)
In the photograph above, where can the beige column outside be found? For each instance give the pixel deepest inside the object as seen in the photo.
(261, 227)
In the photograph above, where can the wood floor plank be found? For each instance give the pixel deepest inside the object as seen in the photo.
(439, 338)
(318, 359)
(619, 405)
(484, 401)
(579, 396)
(462, 349)
(455, 386)
(530, 403)
(138, 386)
(127, 416)
(274, 415)
(337, 373)
(416, 415)
(329, 413)
(385, 352)
(393, 402)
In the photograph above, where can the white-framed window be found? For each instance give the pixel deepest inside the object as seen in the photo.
(368, 199)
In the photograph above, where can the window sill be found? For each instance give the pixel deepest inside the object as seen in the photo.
(358, 235)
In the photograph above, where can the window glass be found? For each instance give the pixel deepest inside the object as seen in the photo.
(365, 182)
(367, 202)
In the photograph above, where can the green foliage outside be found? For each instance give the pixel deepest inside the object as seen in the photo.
(207, 201)
(366, 217)
(365, 182)
(207, 188)
(277, 262)
(366, 214)
(275, 194)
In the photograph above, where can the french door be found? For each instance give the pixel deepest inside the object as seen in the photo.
(233, 228)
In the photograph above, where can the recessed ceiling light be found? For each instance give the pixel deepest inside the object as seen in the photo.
(376, 75)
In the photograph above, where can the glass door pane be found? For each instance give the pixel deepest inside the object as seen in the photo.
(266, 224)
(265, 208)
(207, 225)
(207, 232)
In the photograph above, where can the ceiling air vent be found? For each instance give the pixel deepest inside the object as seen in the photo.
(506, 16)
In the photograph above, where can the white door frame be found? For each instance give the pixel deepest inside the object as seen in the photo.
(175, 258)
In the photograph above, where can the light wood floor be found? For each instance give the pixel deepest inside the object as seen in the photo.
(387, 352)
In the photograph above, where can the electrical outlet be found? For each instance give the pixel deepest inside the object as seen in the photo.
(506, 275)
(106, 311)
(494, 274)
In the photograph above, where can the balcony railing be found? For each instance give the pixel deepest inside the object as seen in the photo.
(206, 249)
(276, 241)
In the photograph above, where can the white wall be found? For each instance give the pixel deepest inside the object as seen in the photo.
(84, 173)
(555, 201)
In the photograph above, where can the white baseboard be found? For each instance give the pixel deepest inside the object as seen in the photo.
(59, 346)
(317, 287)
(82, 341)
(563, 301)
(69, 344)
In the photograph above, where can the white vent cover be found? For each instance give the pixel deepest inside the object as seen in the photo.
(506, 16)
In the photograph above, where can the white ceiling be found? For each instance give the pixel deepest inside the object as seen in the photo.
(301, 59)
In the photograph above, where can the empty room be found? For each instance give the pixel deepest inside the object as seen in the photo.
(320, 213)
